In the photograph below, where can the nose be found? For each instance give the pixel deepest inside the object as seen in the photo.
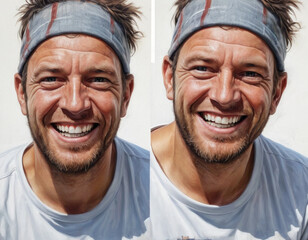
(224, 91)
(75, 100)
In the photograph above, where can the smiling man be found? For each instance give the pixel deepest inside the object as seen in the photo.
(76, 180)
(213, 175)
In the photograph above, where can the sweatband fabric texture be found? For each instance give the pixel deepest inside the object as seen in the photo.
(246, 14)
(74, 17)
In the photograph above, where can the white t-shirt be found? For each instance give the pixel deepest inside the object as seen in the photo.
(273, 206)
(122, 214)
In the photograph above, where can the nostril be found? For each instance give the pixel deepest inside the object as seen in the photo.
(78, 115)
(232, 106)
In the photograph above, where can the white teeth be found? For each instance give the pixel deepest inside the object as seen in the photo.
(221, 121)
(225, 120)
(235, 119)
(78, 129)
(72, 130)
(217, 120)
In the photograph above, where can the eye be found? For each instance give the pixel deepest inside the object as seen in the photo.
(201, 68)
(251, 77)
(202, 71)
(49, 79)
(51, 83)
(99, 80)
(98, 83)
(251, 74)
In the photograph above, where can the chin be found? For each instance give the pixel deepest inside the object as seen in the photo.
(218, 150)
(74, 162)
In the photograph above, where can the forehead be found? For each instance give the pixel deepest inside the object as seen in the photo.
(232, 38)
(61, 47)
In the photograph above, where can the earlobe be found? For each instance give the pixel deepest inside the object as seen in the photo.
(281, 85)
(129, 87)
(168, 77)
(20, 93)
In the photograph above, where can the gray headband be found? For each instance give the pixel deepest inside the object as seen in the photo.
(74, 17)
(246, 14)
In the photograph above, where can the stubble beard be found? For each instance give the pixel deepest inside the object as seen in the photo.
(202, 156)
(73, 168)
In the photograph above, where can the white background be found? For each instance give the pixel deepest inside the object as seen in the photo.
(13, 125)
(289, 126)
(149, 107)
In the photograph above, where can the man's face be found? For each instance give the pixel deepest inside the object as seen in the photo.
(75, 100)
(222, 90)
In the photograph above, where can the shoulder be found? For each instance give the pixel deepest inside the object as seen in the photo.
(284, 181)
(284, 164)
(282, 153)
(131, 150)
(134, 164)
(8, 161)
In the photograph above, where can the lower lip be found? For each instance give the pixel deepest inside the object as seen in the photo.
(75, 140)
(217, 130)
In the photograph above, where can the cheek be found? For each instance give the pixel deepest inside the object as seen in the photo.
(107, 103)
(259, 98)
(192, 93)
(42, 103)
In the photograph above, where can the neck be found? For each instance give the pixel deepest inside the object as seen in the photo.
(69, 193)
(217, 184)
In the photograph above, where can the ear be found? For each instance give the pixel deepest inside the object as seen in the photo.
(168, 77)
(129, 87)
(20, 94)
(281, 85)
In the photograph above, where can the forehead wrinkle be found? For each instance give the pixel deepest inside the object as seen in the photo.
(45, 61)
(214, 47)
(92, 64)
(107, 62)
(228, 37)
(200, 52)
(60, 46)
(206, 51)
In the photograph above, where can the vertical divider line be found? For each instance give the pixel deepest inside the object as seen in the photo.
(153, 31)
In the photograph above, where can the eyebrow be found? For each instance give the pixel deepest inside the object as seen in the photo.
(101, 69)
(45, 68)
(257, 64)
(201, 57)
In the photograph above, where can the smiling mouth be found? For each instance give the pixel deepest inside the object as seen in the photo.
(74, 131)
(222, 122)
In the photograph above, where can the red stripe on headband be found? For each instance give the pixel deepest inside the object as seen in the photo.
(206, 10)
(53, 17)
(111, 25)
(179, 29)
(264, 15)
(27, 41)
